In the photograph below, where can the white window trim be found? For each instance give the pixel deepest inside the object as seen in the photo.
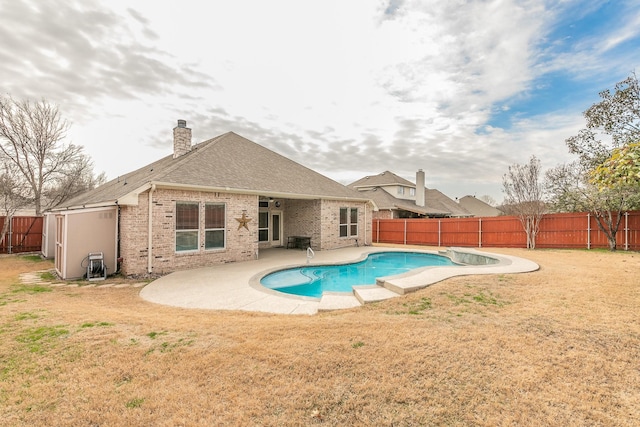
(224, 227)
(349, 224)
(175, 236)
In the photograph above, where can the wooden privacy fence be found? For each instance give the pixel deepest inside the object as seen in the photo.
(24, 234)
(564, 230)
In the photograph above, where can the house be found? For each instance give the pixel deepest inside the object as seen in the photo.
(397, 197)
(478, 208)
(222, 200)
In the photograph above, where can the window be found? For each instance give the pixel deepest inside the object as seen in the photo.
(412, 191)
(400, 190)
(348, 222)
(353, 231)
(263, 226)
(187, 226)
(214, 226)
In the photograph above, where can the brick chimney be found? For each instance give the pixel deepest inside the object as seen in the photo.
(181, 139)
(420, 188)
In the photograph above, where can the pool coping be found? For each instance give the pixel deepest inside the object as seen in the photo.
(255, 280)
(236, 286)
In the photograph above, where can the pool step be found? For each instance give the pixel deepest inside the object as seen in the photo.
(373, 293)
(337, 301)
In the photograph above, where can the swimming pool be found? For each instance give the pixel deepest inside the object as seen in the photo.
(312, 281)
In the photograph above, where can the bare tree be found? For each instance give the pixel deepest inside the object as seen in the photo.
(31, 138)
(523, 197)
(488, 200)
(12, 194)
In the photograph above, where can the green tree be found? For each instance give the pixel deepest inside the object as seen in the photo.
(616, 116)
(594, 182)
(621, 170)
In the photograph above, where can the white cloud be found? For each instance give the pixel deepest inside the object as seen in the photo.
(347, 88)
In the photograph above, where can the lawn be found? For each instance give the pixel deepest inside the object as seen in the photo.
(560, 346)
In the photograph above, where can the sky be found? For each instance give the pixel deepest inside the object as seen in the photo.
(460, 89)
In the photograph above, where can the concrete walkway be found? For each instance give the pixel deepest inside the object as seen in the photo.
(236, 286)
(35, 278)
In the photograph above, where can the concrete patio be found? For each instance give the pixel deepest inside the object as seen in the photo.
(236, 286)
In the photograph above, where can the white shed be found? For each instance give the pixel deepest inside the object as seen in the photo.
(83, 231)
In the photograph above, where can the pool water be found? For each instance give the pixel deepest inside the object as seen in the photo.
(312, 281)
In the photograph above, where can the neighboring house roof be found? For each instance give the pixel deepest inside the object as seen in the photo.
(436, 203)
(385, 201)
(436, 198)
(478, 207)
(381, 180)
(228, 163)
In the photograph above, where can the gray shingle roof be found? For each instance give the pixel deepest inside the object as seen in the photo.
(381, 180)
(228, 162)
(478, 207)
(436, 203)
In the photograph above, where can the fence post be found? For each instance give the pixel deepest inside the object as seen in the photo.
(588, 231)
(378, 232)
(405, 231)
(479, 232)
(439, 241)
(626, 231)
(9, 233)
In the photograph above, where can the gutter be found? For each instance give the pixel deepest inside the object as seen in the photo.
(131, 198)
(104, 204)
(275, 194)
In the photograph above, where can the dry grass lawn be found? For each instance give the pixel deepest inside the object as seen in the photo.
(560, 346)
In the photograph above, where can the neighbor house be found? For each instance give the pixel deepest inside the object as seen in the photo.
(219, 201)
(396, 197)
(478, 207)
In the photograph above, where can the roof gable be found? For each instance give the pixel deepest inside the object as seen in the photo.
(382, 179)
(478, 207)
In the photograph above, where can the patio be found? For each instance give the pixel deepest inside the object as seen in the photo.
(235, 286)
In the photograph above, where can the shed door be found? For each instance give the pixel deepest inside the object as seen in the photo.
(59, 255)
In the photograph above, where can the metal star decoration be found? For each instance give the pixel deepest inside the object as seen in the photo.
(243, 221)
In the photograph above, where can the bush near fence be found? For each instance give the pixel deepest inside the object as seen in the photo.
(563, 230)
(25, 235)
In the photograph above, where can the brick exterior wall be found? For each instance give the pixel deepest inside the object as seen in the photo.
(319, 219)
(301, 219)
(330, 226)
(383, 214)
(241, 245)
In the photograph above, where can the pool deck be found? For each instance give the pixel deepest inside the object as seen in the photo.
(235, 286)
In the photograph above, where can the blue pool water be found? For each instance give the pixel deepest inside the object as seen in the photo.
(312, 281)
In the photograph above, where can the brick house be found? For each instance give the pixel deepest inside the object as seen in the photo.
(219, 201)
(396, 197)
